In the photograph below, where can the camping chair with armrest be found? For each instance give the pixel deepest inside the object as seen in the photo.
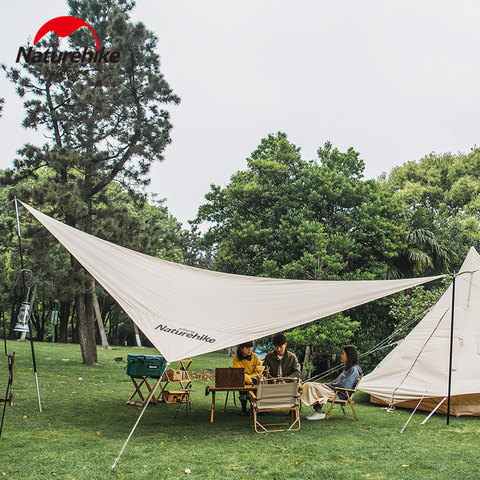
(276, 397)
(342, 402)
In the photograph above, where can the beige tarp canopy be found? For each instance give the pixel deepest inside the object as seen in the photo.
(419, 365)
(187, 311)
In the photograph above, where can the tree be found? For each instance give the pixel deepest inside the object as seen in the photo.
(401, 313)
(290, 218)
(320, 343)
(106, 123)
(421, 254)
(286, 217)
(145, 227)
(441, 193)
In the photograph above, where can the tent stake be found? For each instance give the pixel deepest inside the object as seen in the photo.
(413, 413)
(451, 352)
(138, 420)
(433, 411)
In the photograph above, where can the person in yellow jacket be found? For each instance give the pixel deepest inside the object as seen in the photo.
(249, 361)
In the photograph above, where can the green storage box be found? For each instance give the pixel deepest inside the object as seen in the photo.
(145, 365)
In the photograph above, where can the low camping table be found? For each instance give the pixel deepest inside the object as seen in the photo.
(213, 389)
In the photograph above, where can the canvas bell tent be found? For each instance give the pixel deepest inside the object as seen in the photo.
(419, 366)
(186, 311)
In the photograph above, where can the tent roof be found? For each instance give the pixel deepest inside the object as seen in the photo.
(420, 364)
(186, 311)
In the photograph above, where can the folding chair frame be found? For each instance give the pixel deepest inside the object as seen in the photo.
(349, 392)
(294, 424)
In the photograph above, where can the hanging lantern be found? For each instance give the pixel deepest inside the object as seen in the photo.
(23, 316)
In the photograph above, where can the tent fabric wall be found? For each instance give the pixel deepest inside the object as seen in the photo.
(186, 311)
(420, 364)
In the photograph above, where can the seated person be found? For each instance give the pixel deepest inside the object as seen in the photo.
(317, 394)
(249, 361)
(281, 362)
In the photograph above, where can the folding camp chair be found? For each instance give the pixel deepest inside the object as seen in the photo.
(276, 397)
(342, 402)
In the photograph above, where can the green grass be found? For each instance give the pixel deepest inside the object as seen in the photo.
(85, 422)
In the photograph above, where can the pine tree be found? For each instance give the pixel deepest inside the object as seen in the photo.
(106, 123)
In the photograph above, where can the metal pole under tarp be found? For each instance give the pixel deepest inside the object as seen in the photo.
(451, 351)
(26, 289)
(147, 401)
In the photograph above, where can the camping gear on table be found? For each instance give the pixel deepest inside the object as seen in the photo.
(174, 396)
(145, 365)
(420, 365)
(153, 366)
(173, 375)
(229, 377)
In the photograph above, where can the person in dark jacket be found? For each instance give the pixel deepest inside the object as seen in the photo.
(281, 362)
(317, 394)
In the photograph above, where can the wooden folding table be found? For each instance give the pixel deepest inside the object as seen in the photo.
(213, 389)
(138, 391)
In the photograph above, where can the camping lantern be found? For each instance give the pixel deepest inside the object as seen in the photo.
(23, 316)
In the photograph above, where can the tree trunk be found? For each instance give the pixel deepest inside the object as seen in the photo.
(138, 340)
(306, 360)
(84, 325)
(86, 331)
(98, 315)
(64, 316)
(74, 324)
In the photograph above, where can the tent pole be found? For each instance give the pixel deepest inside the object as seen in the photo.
(19, 236)
(26, 290)
(433, 411)
(451, 351)
(138, 420)
(413, 413)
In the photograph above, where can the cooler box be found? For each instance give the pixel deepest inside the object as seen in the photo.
(145, 365)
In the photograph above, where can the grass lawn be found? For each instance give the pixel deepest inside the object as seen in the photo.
(85, 422)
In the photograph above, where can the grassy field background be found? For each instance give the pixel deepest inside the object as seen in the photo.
(85, 422)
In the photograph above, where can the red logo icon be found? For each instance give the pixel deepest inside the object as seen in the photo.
(63, 27)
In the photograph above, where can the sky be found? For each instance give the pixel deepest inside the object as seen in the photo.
(395, 80)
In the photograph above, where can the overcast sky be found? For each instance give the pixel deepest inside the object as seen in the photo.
(395, 80)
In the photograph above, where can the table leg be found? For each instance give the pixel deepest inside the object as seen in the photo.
(212, 412)
(138, 391)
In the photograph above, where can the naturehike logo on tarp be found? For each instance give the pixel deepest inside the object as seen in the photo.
(183, 332)
(64, 27)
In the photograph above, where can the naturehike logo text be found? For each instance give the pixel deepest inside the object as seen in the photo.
(182, 332)
(52, 56)
(63, 27)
